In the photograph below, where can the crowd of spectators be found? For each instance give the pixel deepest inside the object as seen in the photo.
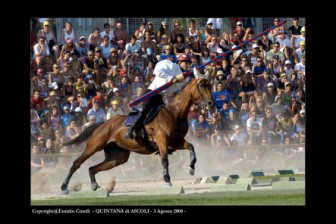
(259, 89)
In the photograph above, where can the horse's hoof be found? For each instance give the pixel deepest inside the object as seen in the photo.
(191, 171)
(169, 184)
(65, 192)
(64, 187)
(94, 186)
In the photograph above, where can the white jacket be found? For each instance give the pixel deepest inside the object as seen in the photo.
(164, 71)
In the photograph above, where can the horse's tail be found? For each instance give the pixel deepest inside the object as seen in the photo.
(84, 135)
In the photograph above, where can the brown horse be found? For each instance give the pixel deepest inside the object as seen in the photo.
(165, 134)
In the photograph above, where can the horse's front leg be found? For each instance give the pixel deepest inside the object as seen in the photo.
(183, 144)
(163, 149)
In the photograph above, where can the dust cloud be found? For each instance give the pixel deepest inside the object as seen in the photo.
(211, 161)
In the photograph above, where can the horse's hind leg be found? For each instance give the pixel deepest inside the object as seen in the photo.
(114, 156)
(87, 153)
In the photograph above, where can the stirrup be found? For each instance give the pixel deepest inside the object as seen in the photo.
(129, 135)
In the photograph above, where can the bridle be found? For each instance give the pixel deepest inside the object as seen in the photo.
(203, 101)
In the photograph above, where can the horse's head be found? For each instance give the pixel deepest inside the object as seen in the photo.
(203, 93)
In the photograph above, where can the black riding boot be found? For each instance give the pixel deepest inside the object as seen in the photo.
(129, 133)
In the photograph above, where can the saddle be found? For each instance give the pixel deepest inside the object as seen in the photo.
(149, 117)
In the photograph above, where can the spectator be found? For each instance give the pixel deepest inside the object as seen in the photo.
(83, 47)
(68, 32)
(201, 128)
(98, 112)
(36, 163)
(41, 51)
(300, 38)
(299, 52)
(269, 94)
(140, 33)
(238, 136)
(66, 118)
(114, 110)
(270, 124)
(91, 120)
(107, 32)
(95, 39)
(50, 38)
(120, 33)
(294, 31)
(278, 108)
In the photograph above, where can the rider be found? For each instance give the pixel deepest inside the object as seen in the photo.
(164, 72)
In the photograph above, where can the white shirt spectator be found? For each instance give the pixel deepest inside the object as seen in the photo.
(283, 43)
(110, 35)
(130, 47)
(300, 67)
(216, 23)
(105, 50)
(37, 49)
(240, 138)
(298, 40)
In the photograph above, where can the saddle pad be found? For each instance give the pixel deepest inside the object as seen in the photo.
(129, 120)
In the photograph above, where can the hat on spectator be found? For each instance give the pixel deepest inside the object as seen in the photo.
(302, 43)
(164, 23)
(39, 71)
(288, 62)
(220, 72)
(46, 23)
(97, 49)
(236, 127)
(283, 75)
(40, 137)
(248, 71)
(81, 38)
(281, 31)
(167, 47)
(303, 29)
(115, 90)
(115, 102)
(136, 51)
(150, 23)
(255, 45)
(52, 93)
(220, 51)
(303, 111)
(66, 108)
(78, 109)
(88, 76)
(270, 84)
(95, 101)
(209, 22)
(276, 98)
(288, 83)
(113, 50)
(239, 23)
